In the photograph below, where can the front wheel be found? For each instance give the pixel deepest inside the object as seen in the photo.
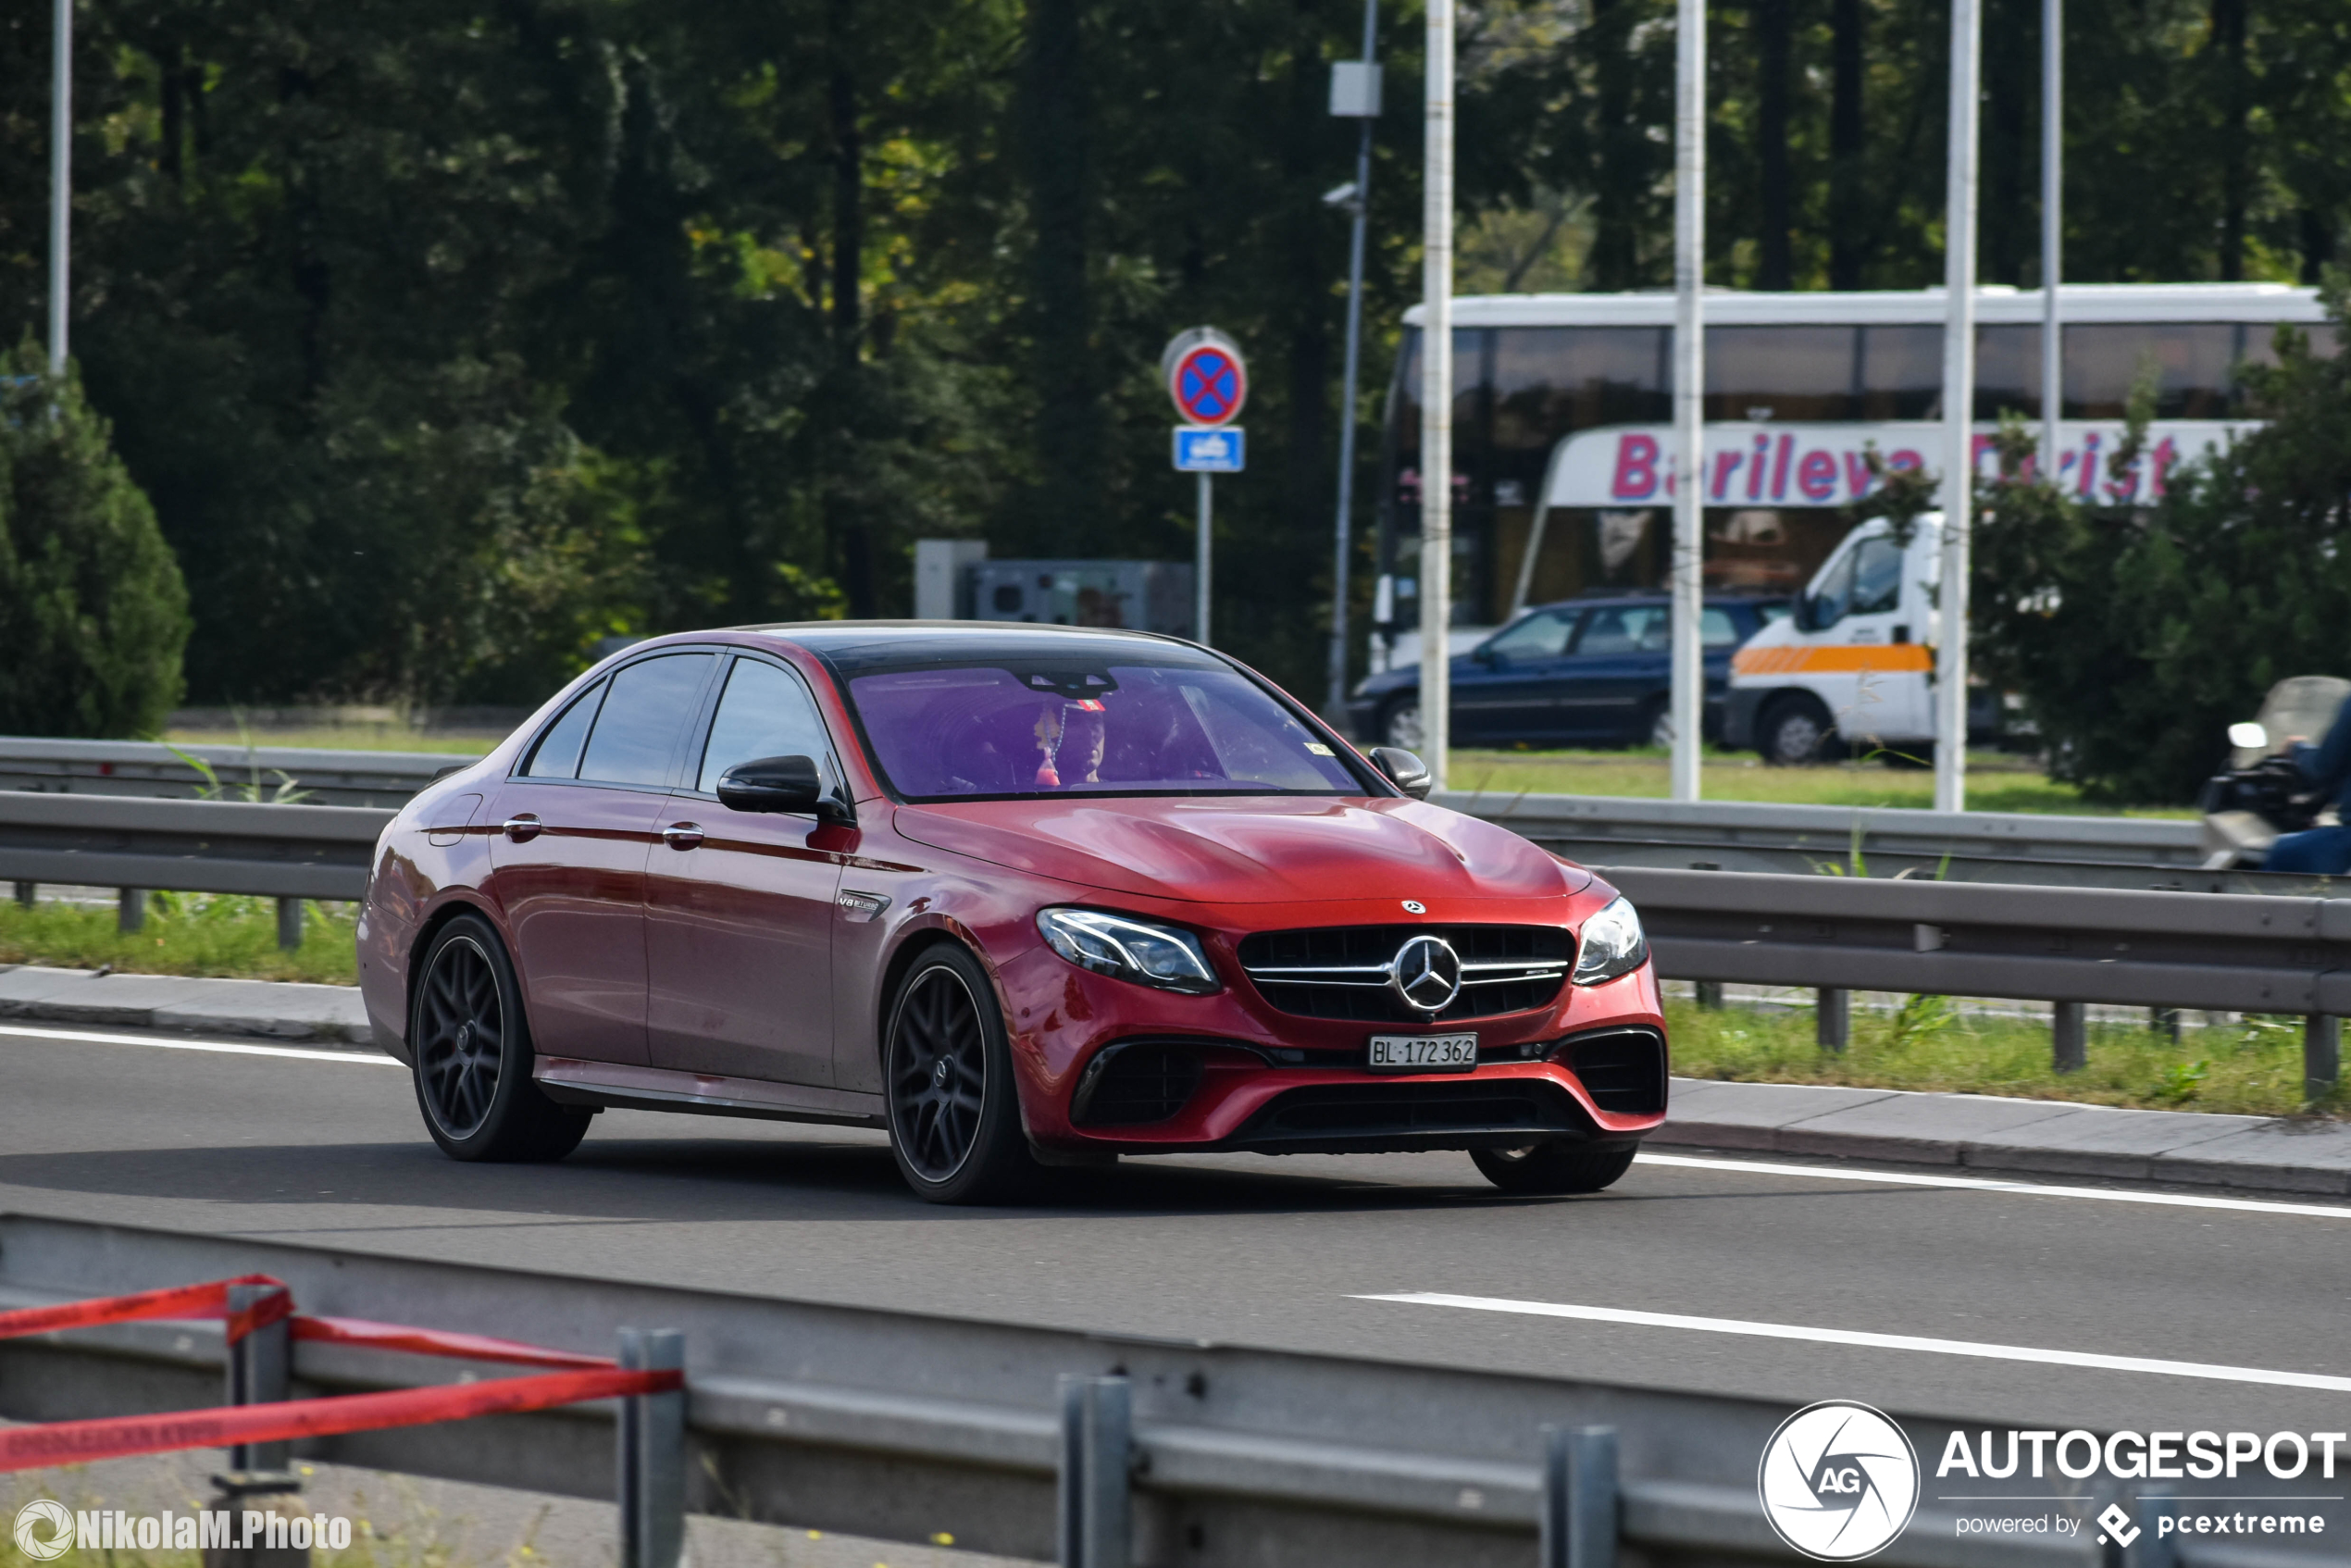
(1794, 731)
(947, 1067)
(473, 1054)
(1399, 725)
(1552, 1168)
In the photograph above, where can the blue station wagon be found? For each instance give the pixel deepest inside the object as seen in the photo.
(1586, 672)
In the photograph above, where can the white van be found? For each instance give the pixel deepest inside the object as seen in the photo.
(1853, 667)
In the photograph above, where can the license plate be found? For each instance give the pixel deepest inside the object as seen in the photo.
(1423, 1053)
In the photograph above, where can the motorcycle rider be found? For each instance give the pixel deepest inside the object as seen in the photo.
(2321, 852)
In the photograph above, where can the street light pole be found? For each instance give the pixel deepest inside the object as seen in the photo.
(1688, 687)
(1436, 396)
(1958, 414)
(1363, 106)
(60, 178)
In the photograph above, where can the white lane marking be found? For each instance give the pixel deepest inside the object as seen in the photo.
(2022, 1188)
(1876, 1341)
(360, 1058)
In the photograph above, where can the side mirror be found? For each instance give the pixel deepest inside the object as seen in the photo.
(781, 784)
(1402, 769)
(2248, 737)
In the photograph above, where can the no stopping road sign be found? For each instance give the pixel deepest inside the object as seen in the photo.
(1206, 376)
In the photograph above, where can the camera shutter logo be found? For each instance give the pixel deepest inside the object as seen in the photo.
(1839, 1481)
(45, 1529)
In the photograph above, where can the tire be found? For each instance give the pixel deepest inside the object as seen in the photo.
(1553, 1167)
(947, 1084)
(1655, 727)
(1400, 723)
(1795, 731)
(473, 1054)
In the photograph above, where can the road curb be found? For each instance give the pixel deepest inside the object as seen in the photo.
(263, 1009)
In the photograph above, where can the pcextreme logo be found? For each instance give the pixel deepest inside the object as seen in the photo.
(1839, 1481)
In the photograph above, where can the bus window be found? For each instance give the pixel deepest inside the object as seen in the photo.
(1901, 372)
(1779, 372)
(2007, 371)
(2194, 363)
(1549, 380)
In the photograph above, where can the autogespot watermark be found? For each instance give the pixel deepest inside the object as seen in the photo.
(47, 1530)
(1840, 1481)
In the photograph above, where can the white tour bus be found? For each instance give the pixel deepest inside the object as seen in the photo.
(1562, 420)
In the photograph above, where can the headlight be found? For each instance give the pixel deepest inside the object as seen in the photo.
(1612, 945)
(1127, 948)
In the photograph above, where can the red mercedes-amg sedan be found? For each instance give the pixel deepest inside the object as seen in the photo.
(1022, 895)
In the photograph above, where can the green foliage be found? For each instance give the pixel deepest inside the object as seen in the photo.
(92, 612)
(185, 934)
(2136, 635)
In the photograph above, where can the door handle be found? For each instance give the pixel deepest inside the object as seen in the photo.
(682, 835)
(522, 827)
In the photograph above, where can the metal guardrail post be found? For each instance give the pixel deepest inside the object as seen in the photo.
(1579, 1523)
(1096, 1455)
(1833, 1018)
(2164, 1021)
(653, 1455)
(2321, 1056)
(289, 924)
(2068, 1036)
(260, 1372)
(1710, 996)
(26, 891)
(130, 909)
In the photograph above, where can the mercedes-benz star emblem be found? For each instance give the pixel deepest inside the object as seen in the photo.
(1414, 906)
(1425, 974)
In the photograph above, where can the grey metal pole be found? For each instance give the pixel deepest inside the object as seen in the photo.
(1832, 1019)
(1097, 1529)
(1202, 547)
(1436, 396)
(290, 924)
(1579, 1523)
(653, 1455)
(1337, 702)
(2068, 1036)
(2052, 228)
(1958, 413)
(260, 1372)
(130, 909)
(60, 177)
(2321, 1056)
(1688, 684)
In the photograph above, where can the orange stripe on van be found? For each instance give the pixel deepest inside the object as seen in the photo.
(1845, 658)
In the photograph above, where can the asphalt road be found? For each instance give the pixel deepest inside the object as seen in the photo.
(325, 1148)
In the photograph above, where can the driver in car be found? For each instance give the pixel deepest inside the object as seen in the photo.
(2321, 852)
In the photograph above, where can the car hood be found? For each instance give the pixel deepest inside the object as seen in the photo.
(1254, 850)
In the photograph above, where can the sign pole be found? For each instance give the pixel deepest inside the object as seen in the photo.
(2052, 228)
(1958, 411)
(1200, 551)
(1689, 688)
(1437, 397)
(60, 179)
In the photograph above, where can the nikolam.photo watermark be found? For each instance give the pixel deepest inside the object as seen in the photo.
(47, 1530)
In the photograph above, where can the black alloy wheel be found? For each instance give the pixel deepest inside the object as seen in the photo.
(473, 1055)
(1552, 1168)
(954, 1115)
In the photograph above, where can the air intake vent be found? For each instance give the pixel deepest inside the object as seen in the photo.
(1132, 1085)
(1341, 971)
(1622, 1070)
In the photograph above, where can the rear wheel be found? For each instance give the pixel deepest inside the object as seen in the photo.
(947, 1064)
(1656, 726)
(1552, 1168)
(1400, 723)
(473, 1054)
(1794, 731)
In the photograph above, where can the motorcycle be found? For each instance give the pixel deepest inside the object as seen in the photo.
(2263, 796)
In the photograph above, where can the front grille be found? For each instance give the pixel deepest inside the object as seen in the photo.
(1397, 1114)
(1341, 971)
(1622, 1070)
(1132, 1085)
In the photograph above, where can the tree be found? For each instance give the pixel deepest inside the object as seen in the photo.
(93, 611)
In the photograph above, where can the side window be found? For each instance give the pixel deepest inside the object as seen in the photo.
(765, 713)
(1877, 578)
(1542, 635)
(1831, 595)
(1716, 630)
(557, 753)
(1638, 629)
(636, 736)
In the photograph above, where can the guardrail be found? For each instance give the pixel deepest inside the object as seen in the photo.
(149, 767)
(901, 1425)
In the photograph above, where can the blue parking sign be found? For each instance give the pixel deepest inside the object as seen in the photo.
(1218, 449)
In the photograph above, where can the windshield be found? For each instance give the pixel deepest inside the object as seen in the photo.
(994, 728)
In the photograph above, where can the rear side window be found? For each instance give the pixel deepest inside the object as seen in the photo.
(636, 735)
(1716, 630)
(1638, 629)
(1540, 636)
(557, 753)
(765, 713)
